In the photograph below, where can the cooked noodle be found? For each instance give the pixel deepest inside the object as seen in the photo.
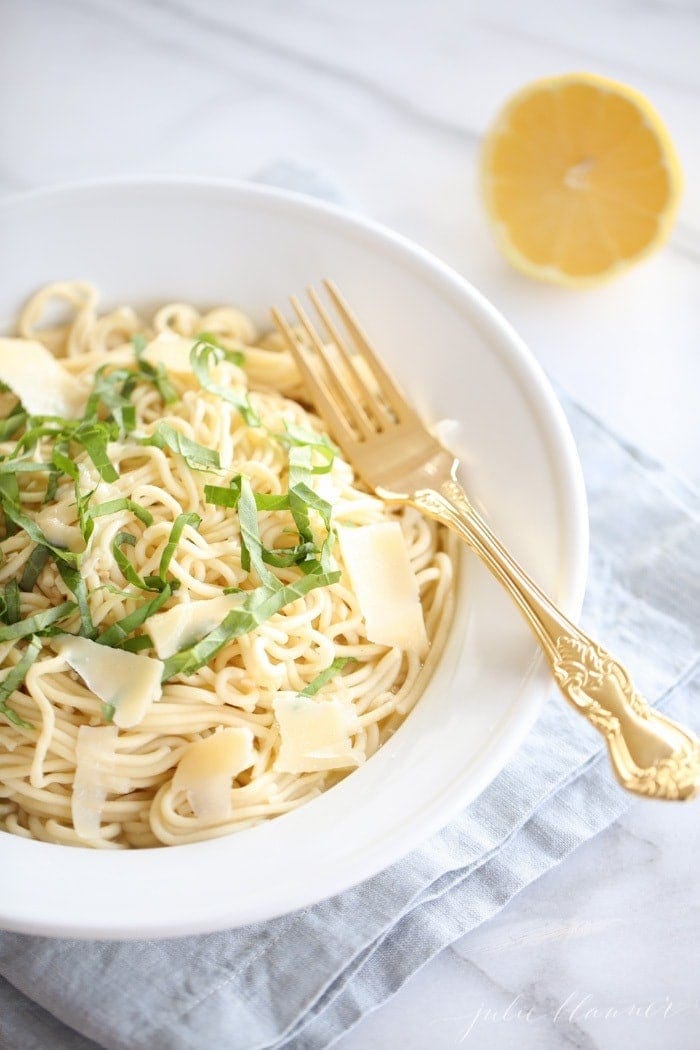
(237, 687)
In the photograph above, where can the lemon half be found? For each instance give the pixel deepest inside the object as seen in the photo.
(580, 177)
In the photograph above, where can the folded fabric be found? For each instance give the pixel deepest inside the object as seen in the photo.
(302, 980)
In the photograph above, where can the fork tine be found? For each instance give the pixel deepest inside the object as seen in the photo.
(357, 415)
(366, 395)
(389, 388)
(325, 402)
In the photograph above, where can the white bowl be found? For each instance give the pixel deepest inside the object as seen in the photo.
(147, 241)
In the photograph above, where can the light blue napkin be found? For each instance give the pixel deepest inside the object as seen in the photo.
(302, 980)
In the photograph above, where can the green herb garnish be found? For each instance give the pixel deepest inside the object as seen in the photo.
(203, 355)
(13, 680)
(196, 456)
(330, 672)
(36, 624)
(32, 568)
(258, 607)
(11, 602)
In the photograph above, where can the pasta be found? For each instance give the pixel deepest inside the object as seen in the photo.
(193, 480)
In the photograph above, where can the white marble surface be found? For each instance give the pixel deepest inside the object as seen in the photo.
(389, 99)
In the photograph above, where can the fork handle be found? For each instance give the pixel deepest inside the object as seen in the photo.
(650, 754)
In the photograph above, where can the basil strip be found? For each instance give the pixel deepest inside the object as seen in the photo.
(94, 437)
(13, 511)
(196, 456)
(251, 544)
(76, 584)
(258, 607)
(187, 518)
(126, 568)
(219, 496)
(115, 635)
(14, 679)
(10, 425)
(295, 436)
(113, 506)
(302, 497)
(85, 522)
(32, 568)
(9, 490)
(113, 389)
(139, 343)
(23, 466)
(320, 680)
(236, 357)
(201, 354)
(155, 374)
(37, 623)
(11, 599)
(136, 644)
(62, 461)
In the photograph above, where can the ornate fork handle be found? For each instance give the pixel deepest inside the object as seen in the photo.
(650, 754)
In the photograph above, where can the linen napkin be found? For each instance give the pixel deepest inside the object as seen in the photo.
(300, 981)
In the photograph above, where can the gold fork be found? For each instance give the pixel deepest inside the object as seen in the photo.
(398, 457)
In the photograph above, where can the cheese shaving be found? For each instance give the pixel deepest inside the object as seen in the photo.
(315, 734)
(207, 767)
(41, 383)
(129, 682)
(380, 572)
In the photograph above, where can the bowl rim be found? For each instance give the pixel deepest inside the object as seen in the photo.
(568, 481)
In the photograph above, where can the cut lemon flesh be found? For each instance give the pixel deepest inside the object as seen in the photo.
(580, 178)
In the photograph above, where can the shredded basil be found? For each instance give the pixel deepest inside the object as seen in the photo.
(113, 389)
(296, 436)
(32, 568)
(9, 499)
(302, 497)
(203, 354)
(113, 506)
(62, 461)
(126, 568)
(108, 712)
(14, 679)
(236, 357)
(321, 679)
(139, 343)
(11, 602)
(196, 456)
(136, 644)
(118, 633)
(251, 544)
(78, 588)
(258, 607)
(36, 624)
(94, 437)
(188, 518)
(10, 425)
(155, 374)
(219, 496)
(23, 466)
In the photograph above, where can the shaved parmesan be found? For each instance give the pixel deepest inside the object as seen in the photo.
(315, 734)
(185, 624)
(58, 532)
(207, 768)
(380, 572)
(95, 753)
(41, 383)
(130, 682)
(170, 350)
